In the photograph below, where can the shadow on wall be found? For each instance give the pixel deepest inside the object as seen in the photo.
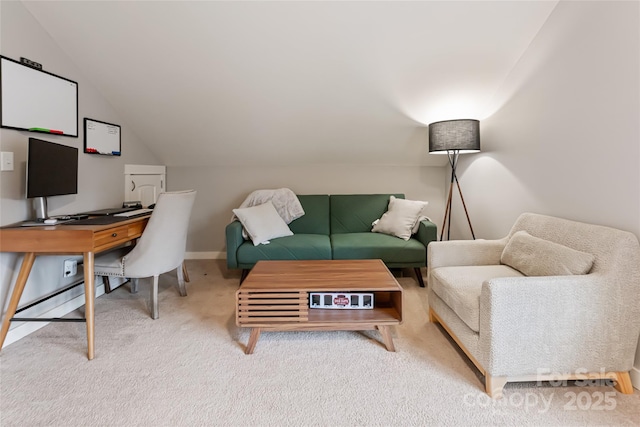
(487, 199)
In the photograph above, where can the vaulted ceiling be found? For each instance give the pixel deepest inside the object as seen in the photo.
(223, 83)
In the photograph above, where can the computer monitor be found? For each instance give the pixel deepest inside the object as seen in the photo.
(52, 170)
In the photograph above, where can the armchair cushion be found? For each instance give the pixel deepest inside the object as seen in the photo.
(464, 298)
(533, 256)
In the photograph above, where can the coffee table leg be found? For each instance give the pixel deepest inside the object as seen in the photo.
(253, 339)
(386, 337)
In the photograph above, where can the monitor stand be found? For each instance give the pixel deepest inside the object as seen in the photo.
(40, 203)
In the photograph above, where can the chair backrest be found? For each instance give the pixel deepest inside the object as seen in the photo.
(616, 252)
(163, 243)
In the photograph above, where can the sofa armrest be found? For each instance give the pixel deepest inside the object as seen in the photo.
(465, 252)
(234, 238)
(427, 232)
(557, 324)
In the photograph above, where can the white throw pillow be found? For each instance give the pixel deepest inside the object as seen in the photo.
(400, 218)
(533, 256)
(262, 223)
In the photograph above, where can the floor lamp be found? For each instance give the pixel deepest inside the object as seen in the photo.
(454, 137)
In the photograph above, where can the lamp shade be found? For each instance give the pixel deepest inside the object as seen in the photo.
(462, 136)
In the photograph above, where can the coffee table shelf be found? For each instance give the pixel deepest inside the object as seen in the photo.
(275, 297)
(377, 315)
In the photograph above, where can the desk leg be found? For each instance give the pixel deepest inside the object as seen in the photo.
(23, 275)
(89, 298)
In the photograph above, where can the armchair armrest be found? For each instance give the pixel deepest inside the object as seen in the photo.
(234, 238)
(557, 324)
(465, 252)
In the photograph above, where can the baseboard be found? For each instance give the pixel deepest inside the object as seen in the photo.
(635, 378)
(206, 255)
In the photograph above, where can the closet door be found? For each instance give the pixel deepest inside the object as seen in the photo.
(144, 183)
(144, 188)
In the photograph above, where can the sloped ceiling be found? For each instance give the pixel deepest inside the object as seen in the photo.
(224, 83)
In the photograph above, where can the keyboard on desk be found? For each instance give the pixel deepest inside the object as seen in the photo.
(137, 212)
(96, 220)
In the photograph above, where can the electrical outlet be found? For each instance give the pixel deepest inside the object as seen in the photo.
(70, 268)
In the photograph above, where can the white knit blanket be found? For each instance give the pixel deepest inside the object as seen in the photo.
(284, 200)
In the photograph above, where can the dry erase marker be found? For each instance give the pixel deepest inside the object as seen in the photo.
(59, 132)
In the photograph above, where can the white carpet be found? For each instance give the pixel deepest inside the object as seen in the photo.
(188, 368)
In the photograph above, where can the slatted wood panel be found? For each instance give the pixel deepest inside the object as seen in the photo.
(273, 307)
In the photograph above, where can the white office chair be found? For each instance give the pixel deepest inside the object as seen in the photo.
(159, 250)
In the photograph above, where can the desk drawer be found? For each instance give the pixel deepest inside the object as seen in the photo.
(112, 237)
(136, 229)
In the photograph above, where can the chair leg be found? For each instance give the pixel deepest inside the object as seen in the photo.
(494, 385)
(154, 298)
(185, 272)
(181, 278)
(134, 285)
(419, 276)
(432, 316)
(623, 383)
(107, 284)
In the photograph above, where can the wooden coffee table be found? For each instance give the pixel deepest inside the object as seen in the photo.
(275, 297)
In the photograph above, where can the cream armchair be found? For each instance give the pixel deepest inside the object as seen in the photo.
(159, 250)
(555, 299)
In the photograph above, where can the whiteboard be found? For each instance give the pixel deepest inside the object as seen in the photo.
(101, 137)
(37, 100)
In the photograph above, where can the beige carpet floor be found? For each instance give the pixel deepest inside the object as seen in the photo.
(188, 368)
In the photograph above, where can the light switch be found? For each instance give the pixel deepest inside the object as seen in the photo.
(6, 161)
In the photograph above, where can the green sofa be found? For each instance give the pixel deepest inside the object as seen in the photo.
(335, 227)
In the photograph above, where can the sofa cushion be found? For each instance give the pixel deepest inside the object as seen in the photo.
(354, 213)
(400, 218)
(262, 222)
(533, 256)
(316, 217)
(369, 245)
(296, 247)
(459, 287)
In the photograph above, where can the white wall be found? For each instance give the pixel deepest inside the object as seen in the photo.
(564, 139)
(100, 178)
